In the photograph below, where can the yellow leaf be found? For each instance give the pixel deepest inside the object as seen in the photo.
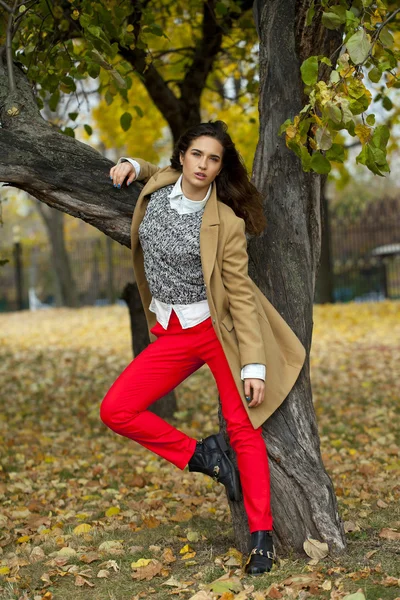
(83, 528)
(188, 555)
(186, 548)
(4, 570)
(142, 562)
(23, 539)
(113, 510)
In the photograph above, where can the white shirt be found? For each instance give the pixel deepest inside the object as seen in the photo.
(192, 314)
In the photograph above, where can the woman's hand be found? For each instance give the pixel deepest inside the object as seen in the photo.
(258, 386)
(118, 173)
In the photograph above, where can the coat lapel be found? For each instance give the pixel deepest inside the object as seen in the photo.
(209, 230)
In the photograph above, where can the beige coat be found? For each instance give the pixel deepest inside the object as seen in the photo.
(249, 328)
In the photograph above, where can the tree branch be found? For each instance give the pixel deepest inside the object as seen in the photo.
(6, 7)
(10, 68)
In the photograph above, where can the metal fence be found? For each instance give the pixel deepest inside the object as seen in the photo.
(365, 253)
(100, 268)
(364, 257)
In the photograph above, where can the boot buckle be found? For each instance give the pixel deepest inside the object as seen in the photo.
(216, 472)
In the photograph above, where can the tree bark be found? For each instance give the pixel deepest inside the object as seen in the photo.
(283, 262)
(64, 174)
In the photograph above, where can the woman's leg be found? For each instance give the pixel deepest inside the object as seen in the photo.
(157, 370)
(247, 442)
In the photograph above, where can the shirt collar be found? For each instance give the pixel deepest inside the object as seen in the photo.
(177, 192)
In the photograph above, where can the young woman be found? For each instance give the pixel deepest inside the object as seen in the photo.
(189, 247)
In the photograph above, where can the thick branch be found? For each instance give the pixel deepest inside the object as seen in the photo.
(58, 170)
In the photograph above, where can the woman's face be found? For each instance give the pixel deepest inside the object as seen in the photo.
(202, 161)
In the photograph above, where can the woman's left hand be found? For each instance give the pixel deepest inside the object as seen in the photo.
(258, 386)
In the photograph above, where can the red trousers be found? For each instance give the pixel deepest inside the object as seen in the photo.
(166, 362)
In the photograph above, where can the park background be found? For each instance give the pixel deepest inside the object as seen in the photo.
(87, 514)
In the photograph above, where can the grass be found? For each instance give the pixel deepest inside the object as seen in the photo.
(61, 467)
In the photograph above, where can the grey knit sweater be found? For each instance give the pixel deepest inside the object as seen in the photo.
(171, 251)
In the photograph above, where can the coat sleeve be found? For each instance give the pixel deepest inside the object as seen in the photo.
(147, 169)
(242, 303)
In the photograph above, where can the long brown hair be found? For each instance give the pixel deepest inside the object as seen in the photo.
(233, 185)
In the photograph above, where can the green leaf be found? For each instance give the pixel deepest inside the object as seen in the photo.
(310, 13)
(326, 60)
(386, 37)
(323, 138)
(335, 153)
(95, 31)
(68, 131)
(333, 112)
(139, 111)
(284, 126)
(309, 70)
(93, 70)
(73, 116)
(370, 120)
(220, 8)
(374, 75)
(88, 129)
(358, 46)
(387, 103)
(334, 17)
(54, 99)
(381, 136)
(320, 164)
(334, 76)
(126, 120)
(108, 97)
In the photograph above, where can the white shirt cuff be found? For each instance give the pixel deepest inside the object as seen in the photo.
(133, 162)
(254, 370)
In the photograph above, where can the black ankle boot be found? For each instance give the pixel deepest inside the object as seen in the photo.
(210, 457)
(262, 554)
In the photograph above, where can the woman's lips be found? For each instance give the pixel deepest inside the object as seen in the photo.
(200, 176)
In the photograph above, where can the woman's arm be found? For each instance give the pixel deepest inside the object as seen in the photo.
(130, 169)
(144, 169)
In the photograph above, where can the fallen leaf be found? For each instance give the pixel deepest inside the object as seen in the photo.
(90, 557)
(149, 571)
(103, 573)
(193, 536)
(350, 526)
(168, 556)
(273, 591)
(186, 548)
(358, 595)
(390, 581)
(382, 504)
(81, 581)
(112, 547)
(141, 562)
(112, 511)
(37, 554)
(82, 528)
(66, 552)
(315, 548)
(389, 533)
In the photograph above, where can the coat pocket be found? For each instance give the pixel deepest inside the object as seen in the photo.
(227, 322)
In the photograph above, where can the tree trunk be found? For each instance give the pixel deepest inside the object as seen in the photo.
(65, 293)
(166, 405)
(283, 262)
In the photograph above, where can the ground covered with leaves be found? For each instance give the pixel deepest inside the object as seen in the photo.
(87, 514)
